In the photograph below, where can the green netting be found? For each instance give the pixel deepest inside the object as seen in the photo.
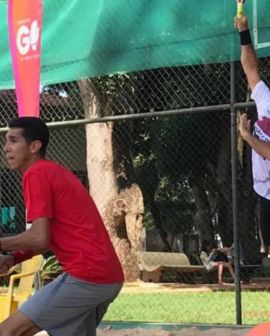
(89, 38)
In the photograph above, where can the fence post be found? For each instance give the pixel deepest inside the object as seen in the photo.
(234, 194)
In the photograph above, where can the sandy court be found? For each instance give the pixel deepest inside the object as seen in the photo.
(193, 331)
(142, 287)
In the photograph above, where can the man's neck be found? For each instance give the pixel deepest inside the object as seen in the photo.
(31, 162)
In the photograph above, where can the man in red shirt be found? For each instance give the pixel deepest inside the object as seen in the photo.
(65, 220)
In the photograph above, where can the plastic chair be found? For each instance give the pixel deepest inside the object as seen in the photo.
(12, 297)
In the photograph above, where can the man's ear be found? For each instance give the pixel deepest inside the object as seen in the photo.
(35, 146)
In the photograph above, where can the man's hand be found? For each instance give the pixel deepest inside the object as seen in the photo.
(244, 126)
(241, 23)
(261, 147)
(6, 262)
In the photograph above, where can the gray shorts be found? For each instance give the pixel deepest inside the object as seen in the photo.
(68, 306)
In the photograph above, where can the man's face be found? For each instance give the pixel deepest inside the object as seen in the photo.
(17, 150)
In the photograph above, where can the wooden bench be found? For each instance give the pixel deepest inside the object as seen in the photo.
(248, 272)
(152, 264)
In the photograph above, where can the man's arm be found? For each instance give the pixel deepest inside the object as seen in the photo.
(259, 146)
(248, 56)
(36, 238)
(16, 257)
(251, 68)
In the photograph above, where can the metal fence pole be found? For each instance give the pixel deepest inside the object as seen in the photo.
(234, 194)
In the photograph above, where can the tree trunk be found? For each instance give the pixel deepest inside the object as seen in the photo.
(158, 224)
(120, 207)
(202, 218)
(224, 198)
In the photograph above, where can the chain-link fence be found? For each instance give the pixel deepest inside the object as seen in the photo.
(155, 149)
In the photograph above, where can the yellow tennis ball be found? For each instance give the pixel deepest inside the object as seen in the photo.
(240, 10)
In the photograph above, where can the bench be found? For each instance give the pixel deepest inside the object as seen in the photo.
(152, 264)
(248, 272)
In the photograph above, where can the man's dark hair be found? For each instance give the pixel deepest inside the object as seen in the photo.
(33, 129)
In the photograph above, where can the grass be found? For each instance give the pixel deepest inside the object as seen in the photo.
(206, 308)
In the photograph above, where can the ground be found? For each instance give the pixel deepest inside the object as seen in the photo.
(192, 331)
(141, 287)
(184, 332)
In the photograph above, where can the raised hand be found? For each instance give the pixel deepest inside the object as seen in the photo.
(241, 23)
(244, 126)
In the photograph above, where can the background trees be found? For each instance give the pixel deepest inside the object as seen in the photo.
(168, 171)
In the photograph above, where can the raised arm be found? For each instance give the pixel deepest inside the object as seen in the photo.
(248, 56)
(251, 68)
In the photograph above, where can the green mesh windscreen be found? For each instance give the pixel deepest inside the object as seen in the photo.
(86, 38)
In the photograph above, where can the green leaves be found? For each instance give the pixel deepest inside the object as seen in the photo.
(50, 269)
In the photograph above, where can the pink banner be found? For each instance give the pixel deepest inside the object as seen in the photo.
(25, 22)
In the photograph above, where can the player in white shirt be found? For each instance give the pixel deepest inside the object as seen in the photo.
(259, 141)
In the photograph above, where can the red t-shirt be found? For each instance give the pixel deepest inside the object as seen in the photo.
(78, 237)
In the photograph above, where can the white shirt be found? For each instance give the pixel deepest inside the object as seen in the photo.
(260, 165)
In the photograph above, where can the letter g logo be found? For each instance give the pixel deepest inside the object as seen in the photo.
(27, 38)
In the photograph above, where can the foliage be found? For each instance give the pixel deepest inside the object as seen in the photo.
(181, 162)
(50, 269)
